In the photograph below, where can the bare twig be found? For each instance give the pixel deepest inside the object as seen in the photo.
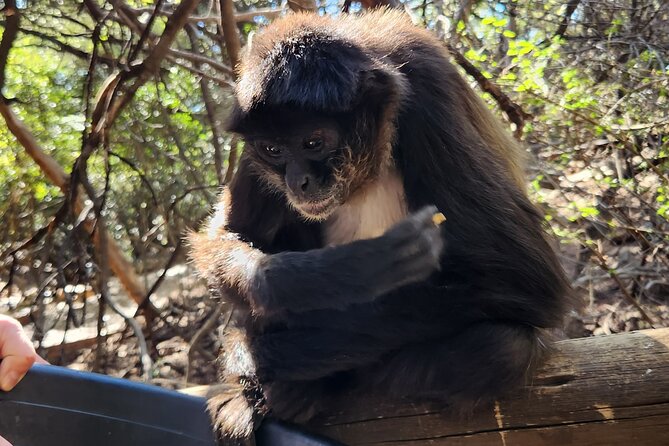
(141, 175)
(204, 330)
(601, 261)
(229, 28)
(232, 161)
(569, 10)
(461, 15)
(170, 262)
(8, 36)
(104, 276)
(515, 112)
(62, 46)
(146, 31)
(199, 59)
(117, 261)
(241, 17)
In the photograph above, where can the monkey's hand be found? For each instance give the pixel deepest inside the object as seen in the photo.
(357, 272)
(408, 252)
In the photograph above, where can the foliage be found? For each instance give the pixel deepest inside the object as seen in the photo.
(593, 77)
(590, 75)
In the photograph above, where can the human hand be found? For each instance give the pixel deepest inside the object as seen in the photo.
(17, 353)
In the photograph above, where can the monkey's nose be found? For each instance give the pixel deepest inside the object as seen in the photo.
(303, 185)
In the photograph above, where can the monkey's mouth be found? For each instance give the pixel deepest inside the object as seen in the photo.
(318, 210)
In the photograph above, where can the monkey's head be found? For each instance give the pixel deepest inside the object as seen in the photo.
(317, 114)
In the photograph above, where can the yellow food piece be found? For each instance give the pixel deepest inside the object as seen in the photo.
(438, 218)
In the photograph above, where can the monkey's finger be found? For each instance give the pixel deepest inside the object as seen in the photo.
(426, 213)
(4, 442)
(428, 216)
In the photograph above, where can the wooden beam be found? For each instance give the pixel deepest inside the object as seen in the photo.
(600, 391)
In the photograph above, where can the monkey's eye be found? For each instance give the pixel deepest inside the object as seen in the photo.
(313, 144)
(271, 150)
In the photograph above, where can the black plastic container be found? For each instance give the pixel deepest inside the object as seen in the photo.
(58, 406)
(54, 406)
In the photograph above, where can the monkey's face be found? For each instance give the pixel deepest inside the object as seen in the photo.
(304, 160)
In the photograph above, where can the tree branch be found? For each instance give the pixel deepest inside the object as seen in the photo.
(150, 66)
(229, 27)
(117, 261)
(240, 17)
(514, 111)
(81, 54)
(210, 107)
(571, 7)
(8, 36)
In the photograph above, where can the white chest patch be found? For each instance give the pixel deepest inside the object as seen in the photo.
(370, 212)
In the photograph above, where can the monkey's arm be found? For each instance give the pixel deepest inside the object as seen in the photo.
(327, 278)
(323, 342)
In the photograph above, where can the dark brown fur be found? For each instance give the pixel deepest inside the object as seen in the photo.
(391, 312)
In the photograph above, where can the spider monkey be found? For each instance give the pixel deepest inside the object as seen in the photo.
(358, 130)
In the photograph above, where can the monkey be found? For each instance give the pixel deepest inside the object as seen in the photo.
(357, 131)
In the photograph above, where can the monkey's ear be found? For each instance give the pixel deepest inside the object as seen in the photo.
(376, 86)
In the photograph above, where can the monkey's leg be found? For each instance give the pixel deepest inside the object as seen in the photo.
(320, 343)
(244, 398)
(300, 401)
(482, 362)
(309, 354)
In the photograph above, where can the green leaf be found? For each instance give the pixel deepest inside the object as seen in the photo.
(500, 23)
(588, 211)
(41, 191)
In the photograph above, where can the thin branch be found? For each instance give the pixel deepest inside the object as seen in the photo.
(515, 112)
(210, 107)
(203, 331)
(232, 161)
(219, 81)
(141, 175)
(150, 66)
(8, 36)
(136, 328)
(230, 33)
(200, 59)
(119, 264)
(310, 5)
(144, 304)
(240, 17)
(571, 7)
(601, 261)
(461, 15)
(147, 30)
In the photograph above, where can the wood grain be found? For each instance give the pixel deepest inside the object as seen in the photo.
(609, 391)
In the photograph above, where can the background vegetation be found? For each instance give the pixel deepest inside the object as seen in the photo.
(112, 127)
